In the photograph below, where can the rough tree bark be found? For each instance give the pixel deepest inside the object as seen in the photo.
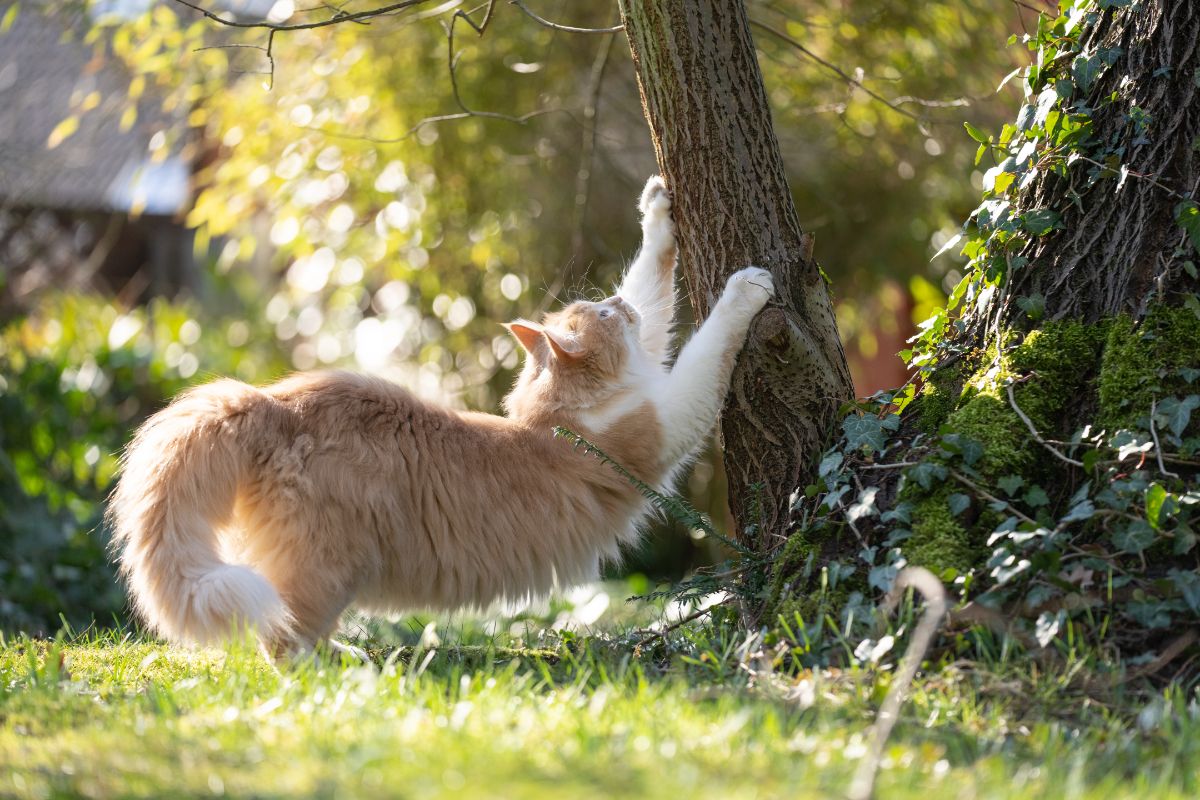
(703, 95)
(1116, 252)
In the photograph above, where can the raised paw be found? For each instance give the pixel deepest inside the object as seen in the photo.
(655, 199)
(752, 282)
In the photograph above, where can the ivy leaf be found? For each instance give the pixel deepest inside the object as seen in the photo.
(829, 463)
(1188, 583)
(901, 513)
(882, 577)
(864, 506)
(1155, 496)
(1010, 484)
(953, 240)
(1149, 614)
(959, 503)
(1192, 303)
(1176, 413)
(1040, 221)
(976, 134)
(1036, 496)
(1085, 70)
(1185, 540)
(1079, 512)
(1025, 116)
(925, 474)
(1047, 627)
(1034, 305)
(1135, 537)
(831, 499)
(1187, 216)
(863, 431)
(1129, 444)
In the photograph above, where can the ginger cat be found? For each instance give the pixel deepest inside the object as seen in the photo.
(279, 507)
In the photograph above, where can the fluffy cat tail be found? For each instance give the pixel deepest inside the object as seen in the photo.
(177, 488)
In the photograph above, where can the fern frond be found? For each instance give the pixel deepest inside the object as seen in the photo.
(673, 506)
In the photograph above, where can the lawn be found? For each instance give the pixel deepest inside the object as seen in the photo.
(530, 708)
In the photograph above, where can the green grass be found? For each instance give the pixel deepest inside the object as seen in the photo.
(528, 712)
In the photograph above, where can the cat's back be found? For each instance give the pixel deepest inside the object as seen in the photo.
(338, 401)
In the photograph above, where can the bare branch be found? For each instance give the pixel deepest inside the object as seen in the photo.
(487, 17)
(894, 105)
(519, 120)
(936, 605)
(986, 495)
(338, 18)
(1012, 401)
(452, 63)
(1157, 446)
(567, 28)
(587, 156)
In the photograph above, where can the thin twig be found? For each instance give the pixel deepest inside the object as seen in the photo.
(985, 494)
(487, 17)
(1172, 651)
(567, 28)
(924, 581)
(519, 120)
(1138, 175)
(452, 62)
(587, 158)
(1158, 446)
(337, 19)
(659, 634)
(1012, 400)
(838, 71)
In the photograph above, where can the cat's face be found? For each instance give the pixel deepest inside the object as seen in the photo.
(586, 354)
(583, 341)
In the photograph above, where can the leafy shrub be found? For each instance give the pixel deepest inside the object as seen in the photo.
(76, 377)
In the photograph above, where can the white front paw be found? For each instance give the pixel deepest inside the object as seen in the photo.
(655, 199)
(751, 287)
(658, 229)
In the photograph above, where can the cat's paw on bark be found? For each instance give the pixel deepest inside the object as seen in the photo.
(752, 286)
(655, 201)
(658, 229)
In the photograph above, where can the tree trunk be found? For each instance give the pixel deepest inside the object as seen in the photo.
(703, 96)
(1117, 252)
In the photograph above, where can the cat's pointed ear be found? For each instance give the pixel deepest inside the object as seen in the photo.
(565, 349)
(529, 334)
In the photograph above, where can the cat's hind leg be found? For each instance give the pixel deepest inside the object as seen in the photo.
(315, 577)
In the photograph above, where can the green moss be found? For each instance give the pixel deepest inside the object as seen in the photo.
(939, 395)
(1065, 374)
(1141, 363)
(991, 422)
(939, 540)
(1061, 357)
(787, 570)
(1058, 361)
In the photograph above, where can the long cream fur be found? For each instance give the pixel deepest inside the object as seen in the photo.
(276, 508)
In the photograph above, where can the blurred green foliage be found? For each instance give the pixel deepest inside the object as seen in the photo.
(75, 377)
